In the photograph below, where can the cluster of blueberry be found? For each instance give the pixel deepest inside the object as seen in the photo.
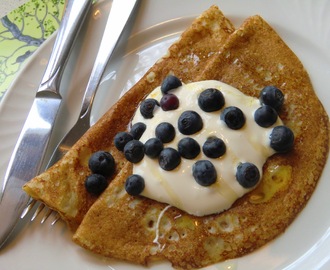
(102, 166)
(190, 122)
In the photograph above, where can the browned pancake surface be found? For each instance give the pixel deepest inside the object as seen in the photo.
(139, 229)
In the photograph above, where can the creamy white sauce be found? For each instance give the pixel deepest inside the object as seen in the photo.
(178, 187)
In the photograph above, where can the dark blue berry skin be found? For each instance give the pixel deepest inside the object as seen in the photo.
(95, 184)
(204, 173)
(247, 175)
(190, 122)
(147, 107)
(272, 96)
(134, 151)
(265, 116)
(169, 159)
(165, 132)
(169, 83)
(169, 102)
(153, 147)
(233, 117)
(188, 148)
(134, 185)
(102, 162)
(121, 139)
(137, 130)
(281, 139)
(211, 100)
(214, 147)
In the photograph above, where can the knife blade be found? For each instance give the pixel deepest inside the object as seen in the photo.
(27, 157)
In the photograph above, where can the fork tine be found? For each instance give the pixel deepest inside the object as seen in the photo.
(28, 208)
(56, 218)
(46, 215)
(36, 213)
(39, 209)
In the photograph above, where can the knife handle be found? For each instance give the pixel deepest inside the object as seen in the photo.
(74, 15)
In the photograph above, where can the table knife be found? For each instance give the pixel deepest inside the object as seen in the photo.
(27, 158)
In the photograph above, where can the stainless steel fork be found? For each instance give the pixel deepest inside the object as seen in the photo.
(119, 15)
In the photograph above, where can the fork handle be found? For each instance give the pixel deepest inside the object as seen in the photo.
(120, 12)
(75, 13)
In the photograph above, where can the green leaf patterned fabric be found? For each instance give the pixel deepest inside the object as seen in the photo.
(22, 31)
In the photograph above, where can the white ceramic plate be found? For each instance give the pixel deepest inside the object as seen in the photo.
(304, 25)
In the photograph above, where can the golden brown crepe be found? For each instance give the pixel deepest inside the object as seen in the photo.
(138, 229)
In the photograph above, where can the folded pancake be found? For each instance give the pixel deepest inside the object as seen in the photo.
(62, 186)
(138, 229)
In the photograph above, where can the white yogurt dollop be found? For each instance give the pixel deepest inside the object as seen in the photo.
(248, 144)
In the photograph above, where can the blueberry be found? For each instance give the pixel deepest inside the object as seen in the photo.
(134, 184)
(281, 139)
(169, 102)
(147, 107)
(121, 138)
(265, 116)
(233, 117)
(169, 83)
(102, 162)
(247, 175)
(137, 130)
(211, 100)
(153, 147)
(188, 148)
(134, 151)
(190, 122)
(165, 132)
(204, 173)
(272, 96)
(169, 159)
(214, 147)
(96, 184)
